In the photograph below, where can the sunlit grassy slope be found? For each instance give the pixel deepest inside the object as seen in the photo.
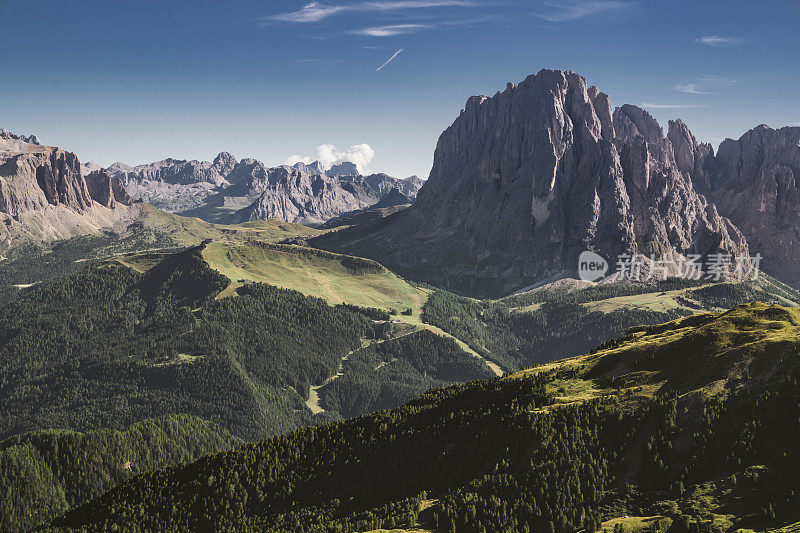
(686, 300)
(188, 231)
(705, 354)
(332, 277)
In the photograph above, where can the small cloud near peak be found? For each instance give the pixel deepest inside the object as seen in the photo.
(361, 155)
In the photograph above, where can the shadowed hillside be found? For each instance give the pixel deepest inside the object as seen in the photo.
(689, 426)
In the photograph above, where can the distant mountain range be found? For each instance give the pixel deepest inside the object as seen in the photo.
(230, 191)
(524, 181)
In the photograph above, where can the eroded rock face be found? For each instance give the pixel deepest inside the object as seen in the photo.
(524, 181)
(304, 194)
(40, 175)
(105, 190)
(44, 195)
(754, 181)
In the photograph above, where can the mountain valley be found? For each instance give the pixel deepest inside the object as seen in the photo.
(224, 345)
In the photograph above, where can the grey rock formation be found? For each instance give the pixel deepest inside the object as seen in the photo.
(89, 167)
(345, 168)
(105, 190)
(302, 194)
(754, 181)
(173, 184)
(227, 190)
(524, 181)
(393, 198)
(178, 172)
(44, 195)
(34, 176)
(390, 203)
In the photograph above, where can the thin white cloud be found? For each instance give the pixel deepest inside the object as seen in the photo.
(718, 40)
(691, 88)
(361, 155)
(717, 80)
(317, 11)
(651, 105)
(392, 30)
(568, 10)
(389, 60)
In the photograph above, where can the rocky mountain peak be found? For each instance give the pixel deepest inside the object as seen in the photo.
(631, 121)
(393, 198)
(224, 163)
(524, 181)
(345, 168)
(13, 143)
(44, 194)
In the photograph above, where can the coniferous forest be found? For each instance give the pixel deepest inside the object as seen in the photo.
(628, 430)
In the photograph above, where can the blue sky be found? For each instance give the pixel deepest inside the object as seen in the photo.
(137, 81)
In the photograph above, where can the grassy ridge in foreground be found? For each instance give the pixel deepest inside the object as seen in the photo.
(694, 423)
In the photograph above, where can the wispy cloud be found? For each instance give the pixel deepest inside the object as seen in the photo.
(706, 85)
(392, 30)
(389, 60)
(691, 88)
(577, 9)
(650, 105)
(718, 40)
(717, 80)
(317, 11)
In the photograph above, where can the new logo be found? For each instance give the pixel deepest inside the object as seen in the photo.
(591, 266)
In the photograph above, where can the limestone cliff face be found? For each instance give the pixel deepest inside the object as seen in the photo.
(34, 176)
(754, 182)
(44, 195)
(524, 181)
(105, 190)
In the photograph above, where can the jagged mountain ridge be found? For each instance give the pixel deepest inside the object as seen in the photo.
(231, 191)
(524, 181)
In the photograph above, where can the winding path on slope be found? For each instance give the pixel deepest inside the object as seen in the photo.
(313, 395)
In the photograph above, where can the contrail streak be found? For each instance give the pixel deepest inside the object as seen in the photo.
(390, 59)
